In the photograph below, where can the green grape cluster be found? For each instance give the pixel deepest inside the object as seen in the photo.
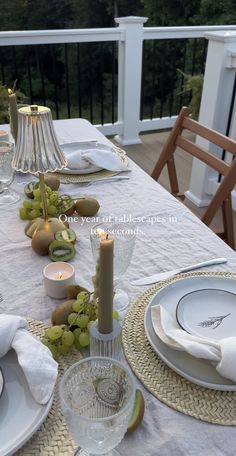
(61, 338)
(56, 204)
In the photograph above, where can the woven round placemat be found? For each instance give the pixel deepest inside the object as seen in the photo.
(52, 438)
(77, 178)
(213, 406)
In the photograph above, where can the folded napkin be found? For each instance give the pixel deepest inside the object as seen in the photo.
(35, 359)
(222, 353)
(103, 158)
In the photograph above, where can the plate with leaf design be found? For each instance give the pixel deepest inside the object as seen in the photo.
(196, 370)
(208, 313)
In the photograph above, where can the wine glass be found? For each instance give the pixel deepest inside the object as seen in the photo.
(97, 400)
(7, 196)
(124, 236)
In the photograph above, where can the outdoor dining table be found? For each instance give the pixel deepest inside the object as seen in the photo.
(168, 236)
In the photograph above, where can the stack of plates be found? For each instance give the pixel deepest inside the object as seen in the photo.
(204, 306)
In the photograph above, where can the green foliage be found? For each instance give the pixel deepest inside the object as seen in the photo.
(4, 102)
(170, 12)
(218, 12)
(193, 85)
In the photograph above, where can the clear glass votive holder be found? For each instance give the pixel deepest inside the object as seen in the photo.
(108, 345)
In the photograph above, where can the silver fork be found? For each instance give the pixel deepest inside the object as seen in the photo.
(99, 181)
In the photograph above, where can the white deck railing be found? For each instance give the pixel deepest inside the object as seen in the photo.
(130, 34)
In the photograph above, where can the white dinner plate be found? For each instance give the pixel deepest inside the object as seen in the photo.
(72, 147)
(198, 371)
(208, 313)
(20, 415)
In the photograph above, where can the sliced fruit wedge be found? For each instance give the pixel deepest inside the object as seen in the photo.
(66, 235)
(138, 412)
(61, 251)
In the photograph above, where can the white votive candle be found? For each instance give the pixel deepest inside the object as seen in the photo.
(56, 277)
(4, 136)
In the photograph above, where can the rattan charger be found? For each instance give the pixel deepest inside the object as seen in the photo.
(209, 405)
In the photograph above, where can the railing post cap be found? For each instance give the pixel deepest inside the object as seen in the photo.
(131, 20)
(224, 36)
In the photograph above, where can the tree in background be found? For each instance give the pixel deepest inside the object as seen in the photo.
(216, 12)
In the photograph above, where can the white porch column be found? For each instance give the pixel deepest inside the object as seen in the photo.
(129, 78)
(214, 111)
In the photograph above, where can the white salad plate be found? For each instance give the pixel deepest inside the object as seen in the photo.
(83, 146)
(20, 415)
(196, 370)
(208, 313)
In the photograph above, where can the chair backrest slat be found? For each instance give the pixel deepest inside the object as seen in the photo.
(203, 155)
(211, 135)
(222, 196)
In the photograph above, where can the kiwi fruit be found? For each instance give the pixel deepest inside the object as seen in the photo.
(138, 412)
(52, 181)
(73, 290)
(61, 251)
(69, 209)
(29, 189)
(87, 206)
(66, 235)
(41, 241)
(61, 313)
(51, 224)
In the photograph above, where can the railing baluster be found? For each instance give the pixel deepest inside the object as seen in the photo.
(90, 87)
(14, 62)
(194, 56)
(153, 79)
(101, 82)
(142, 102)
(52, 58)
(162, 82)
(182, 77)
(29, 76)
(39, 59)
(67, 81)
(79, 81)
(173, 85)
(203, 55)
(113, 53)
(2, 70)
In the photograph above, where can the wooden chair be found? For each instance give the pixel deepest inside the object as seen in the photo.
(222, 197)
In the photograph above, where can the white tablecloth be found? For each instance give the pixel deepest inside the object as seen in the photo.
(171, 237)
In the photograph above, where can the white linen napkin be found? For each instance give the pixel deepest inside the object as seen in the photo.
(35, 359)
(222, 353)
(96, 155)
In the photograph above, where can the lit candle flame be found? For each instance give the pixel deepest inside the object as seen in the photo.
(60, 275)
(10, 92)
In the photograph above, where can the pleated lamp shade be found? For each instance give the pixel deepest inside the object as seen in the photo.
(37, 148)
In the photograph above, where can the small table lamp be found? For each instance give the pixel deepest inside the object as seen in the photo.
(37, 148)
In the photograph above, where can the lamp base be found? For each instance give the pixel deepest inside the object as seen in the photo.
(106, 344)
(50, 224)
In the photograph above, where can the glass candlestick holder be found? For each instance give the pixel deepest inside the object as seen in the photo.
(106, 344)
